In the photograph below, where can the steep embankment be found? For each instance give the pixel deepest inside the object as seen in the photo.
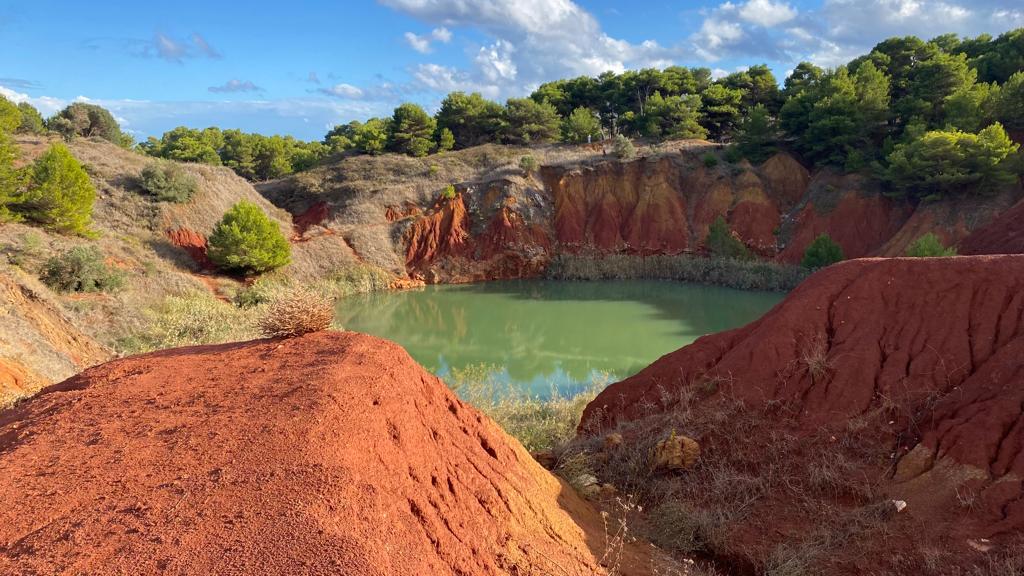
(38, 344)
(333, 453)
(922, 358)
(508, 224)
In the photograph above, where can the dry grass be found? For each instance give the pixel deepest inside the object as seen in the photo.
(815, 360)
(538, 423)
(755, 474)
(299, 312)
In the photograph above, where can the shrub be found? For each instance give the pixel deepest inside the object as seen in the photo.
(710, 160)
(528, 164)
(168, 182)
(822, 252)
(81, 269)
(449, 192)
(721, 243)
(623, 147)
(247, 241)
(929, 245)
(60, 194)
(296, 313)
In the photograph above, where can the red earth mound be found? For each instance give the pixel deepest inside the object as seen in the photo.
(935, 345)
(334, 453)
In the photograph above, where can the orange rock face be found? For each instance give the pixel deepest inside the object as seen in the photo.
(193, 243)
(333, 453)
(860, 224)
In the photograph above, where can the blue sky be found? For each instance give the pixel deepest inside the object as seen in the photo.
(299, 67)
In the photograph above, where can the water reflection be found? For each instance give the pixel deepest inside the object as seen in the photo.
(544, 334)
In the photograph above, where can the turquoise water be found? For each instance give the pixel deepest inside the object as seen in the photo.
(549, 336)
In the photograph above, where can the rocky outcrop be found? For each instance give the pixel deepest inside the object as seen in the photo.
(333, 453)
(488, 234)
(936, 343)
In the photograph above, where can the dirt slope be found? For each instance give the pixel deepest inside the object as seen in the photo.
(333, 453)
(933, 348)
(38, 343)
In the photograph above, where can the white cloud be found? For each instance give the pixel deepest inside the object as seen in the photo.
(767, 13)
(495, 61)
(420, 44)
(46, 105)
(343, 91)
(532, 41)
(442, 35)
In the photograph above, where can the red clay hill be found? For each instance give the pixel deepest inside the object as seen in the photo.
(334, 453)
(923, 357)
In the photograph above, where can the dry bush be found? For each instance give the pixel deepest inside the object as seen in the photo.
(296, 313)
(814, 358)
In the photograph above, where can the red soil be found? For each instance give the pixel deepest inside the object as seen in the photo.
(1003, 235)
(938, 342)
(333, 453)
(860, 224)
(313, 216)
(192, 242)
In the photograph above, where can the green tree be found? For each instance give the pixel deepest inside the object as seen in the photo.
(60, 195)
(412, 130)
(672, 117)
(31, 119)
(929, 246)
(239, 153)
(804, 76)
(445, 141)
(721, 110)
(581, 126)
(970, 108)
(472, 119)
(941, 163)
(88, 121)
(530, 122)
(371, 137)
(721, 243)
(273, 158)
(247, 241)
(12, 180)
(189, 145)
(528, 164)
(1009, 103)
(10, 116)
(757, 135)
(996, 60)
(822, 252)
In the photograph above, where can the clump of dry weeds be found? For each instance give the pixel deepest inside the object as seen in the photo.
(296, 313)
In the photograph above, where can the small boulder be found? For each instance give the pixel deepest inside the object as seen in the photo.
(675, 453)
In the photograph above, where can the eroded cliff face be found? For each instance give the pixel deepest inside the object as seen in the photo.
(505, 224)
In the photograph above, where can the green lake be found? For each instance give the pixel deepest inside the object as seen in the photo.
(551, 336)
